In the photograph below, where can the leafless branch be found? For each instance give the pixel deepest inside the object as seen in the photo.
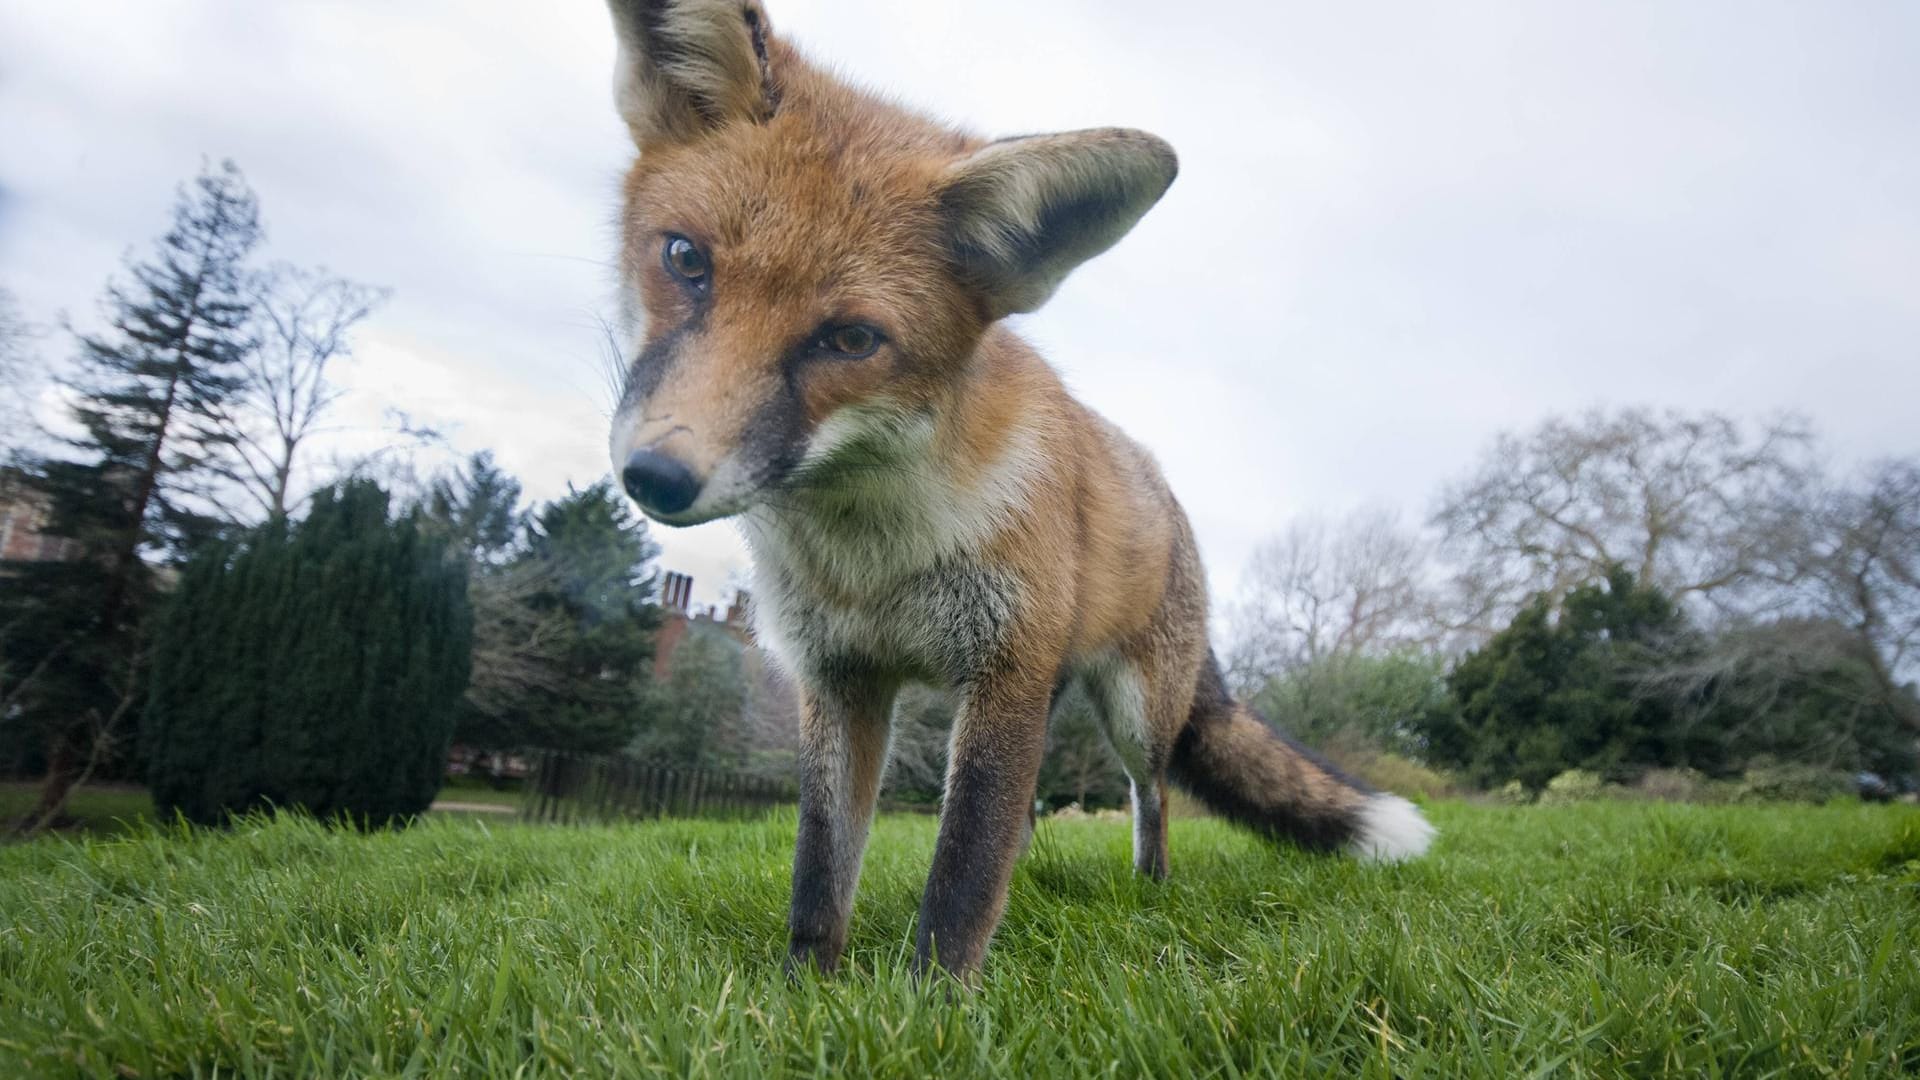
(304, 323)
(1693, 504)
(1318, 590)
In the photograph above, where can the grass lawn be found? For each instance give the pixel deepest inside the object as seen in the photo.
(112, 808)
(1608, 939)
(465, 790)
(94, 808)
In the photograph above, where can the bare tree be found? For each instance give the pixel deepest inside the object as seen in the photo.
(917, 748)
(1744, 691)
(1858, 564)
(770, 726)
(1879, 564)
(518, 649)
(1691, 504)
(693, 716)
(1321, 590)
(304, 321)
(1080, 759)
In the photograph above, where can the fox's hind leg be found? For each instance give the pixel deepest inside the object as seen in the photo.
(1150, 827)
(1129, 700)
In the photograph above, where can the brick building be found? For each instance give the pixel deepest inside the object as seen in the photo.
(23, 516)
(679, 611)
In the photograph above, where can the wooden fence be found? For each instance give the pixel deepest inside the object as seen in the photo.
(566, 787)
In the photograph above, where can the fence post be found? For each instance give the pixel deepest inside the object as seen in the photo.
(530, 805)
(568, 788)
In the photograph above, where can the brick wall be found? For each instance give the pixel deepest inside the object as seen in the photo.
(22, 516)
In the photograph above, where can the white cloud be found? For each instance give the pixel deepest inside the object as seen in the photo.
(1398, 228)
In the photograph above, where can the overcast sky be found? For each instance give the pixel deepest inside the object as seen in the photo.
(1398, 229)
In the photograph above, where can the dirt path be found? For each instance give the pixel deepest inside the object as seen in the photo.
(473, 807)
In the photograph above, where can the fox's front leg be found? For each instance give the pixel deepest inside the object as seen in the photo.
(998, 740)
(843, 749)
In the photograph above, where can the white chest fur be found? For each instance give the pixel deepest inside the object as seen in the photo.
(875, 552)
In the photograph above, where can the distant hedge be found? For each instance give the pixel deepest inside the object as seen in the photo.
(316, 664)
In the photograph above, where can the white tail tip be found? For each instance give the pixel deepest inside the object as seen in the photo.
(1391, 829)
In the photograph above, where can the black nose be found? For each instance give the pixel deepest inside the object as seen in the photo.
(659, 483)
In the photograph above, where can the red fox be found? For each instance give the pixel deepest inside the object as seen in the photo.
(814, 281)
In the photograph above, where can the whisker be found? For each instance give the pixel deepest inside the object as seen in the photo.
(615, 370)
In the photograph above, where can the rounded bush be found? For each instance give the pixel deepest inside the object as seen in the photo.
(315, 665)
(1571, 786)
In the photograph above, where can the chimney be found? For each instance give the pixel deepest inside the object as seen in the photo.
(676, 591)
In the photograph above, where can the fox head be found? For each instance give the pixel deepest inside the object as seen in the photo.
(794, 249)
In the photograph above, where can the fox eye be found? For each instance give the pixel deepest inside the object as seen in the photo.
(685, 261)
(850, 342)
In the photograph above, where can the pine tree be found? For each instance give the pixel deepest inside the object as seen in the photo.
(317, 666)
(563, 627)
(589, 559)
(477, 509)
(131, 490)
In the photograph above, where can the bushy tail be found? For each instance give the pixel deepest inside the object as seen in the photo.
(1244, 769)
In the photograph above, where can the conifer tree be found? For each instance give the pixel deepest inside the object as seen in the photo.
(595, 557)
(477, 509)
(131, 489)
(1555, 690)
(563, 623)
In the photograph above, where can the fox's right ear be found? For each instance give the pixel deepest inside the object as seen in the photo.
(686, 67)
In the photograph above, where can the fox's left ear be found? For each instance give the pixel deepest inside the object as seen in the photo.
(1020, 214)
(688, 66)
